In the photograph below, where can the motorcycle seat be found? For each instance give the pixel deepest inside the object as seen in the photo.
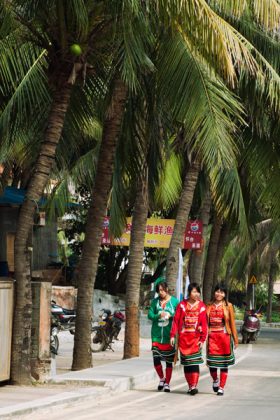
(69, 311)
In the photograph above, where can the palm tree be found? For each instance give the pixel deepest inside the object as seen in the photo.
(50, 31)
(130, 59)
(239, 200)
(50, 37)
(132, 332)
(82, 357)
(197, 258)
(180, 224)
(189, 112)
(211, 258)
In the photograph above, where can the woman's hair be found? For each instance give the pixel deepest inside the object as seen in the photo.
(163, 285)
(223, 288)
(192, 286)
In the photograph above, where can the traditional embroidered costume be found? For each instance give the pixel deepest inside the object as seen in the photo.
(162, 350)
(190, 323)
(221, 339)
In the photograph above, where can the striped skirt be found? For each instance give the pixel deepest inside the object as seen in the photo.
(165, 352)
(220, 350)
(190, 353)
(191, 359)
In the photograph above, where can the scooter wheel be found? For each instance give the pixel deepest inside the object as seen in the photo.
(244, 338)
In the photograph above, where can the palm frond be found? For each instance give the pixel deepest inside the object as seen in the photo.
(169, 188)
(228, 197)
(24, 82)
(200, 101)
(265, 12)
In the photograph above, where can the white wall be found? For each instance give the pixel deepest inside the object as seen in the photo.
(102, 300)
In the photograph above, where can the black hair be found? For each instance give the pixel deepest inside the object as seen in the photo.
(192, 286)
(164, 286)
(223, 288)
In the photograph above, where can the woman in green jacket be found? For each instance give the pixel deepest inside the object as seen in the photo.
(161, 313)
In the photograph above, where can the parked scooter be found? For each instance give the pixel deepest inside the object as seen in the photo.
(108, 329)
(250, 329)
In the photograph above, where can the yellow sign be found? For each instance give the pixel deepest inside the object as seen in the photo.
(253, 280)
(158, 233)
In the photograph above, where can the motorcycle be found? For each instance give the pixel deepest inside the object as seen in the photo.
(250, 329)
(62, 319)
(54, 342)
(65, 317)
(108, 329)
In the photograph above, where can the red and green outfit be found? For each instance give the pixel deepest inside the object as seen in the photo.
(162, 350)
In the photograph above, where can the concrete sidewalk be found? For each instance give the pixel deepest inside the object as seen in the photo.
(109, 375)
(65, 352)
(71, 387)
(119, 376)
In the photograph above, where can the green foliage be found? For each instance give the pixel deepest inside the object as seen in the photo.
(262, 295)
(238, 313)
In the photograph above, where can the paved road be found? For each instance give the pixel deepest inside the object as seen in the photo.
(252, 392)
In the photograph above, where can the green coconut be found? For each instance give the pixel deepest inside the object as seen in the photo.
(76, 49)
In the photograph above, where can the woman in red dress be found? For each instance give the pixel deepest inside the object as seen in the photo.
(222, 338)
(190, 323)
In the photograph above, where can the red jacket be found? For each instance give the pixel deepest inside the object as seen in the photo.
(178, 319)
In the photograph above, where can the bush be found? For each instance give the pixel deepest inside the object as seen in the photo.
(239, 313)
(275, 317)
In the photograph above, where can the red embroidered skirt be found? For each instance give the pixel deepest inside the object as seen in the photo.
(190, 351)
(220, 350)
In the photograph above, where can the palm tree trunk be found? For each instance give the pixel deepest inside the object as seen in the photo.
(20, 365)
(223, 240)
(180, 224)
(211, 258)
(136, 250)
(271, 279)
(82, 357)
(4, 178)
(197, 259)
(227, 277)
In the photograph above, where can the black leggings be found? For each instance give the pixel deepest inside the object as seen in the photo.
(157, 361)
(191, 369)
(215, 370)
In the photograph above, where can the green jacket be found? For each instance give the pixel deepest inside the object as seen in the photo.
(161, 328)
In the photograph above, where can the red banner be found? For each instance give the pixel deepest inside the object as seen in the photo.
(193, 235)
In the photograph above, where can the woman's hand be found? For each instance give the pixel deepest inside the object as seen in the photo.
(200, 344)
(172, 341)
(235, 345)
(164, 315)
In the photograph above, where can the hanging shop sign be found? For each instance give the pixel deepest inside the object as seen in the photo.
(158, 234)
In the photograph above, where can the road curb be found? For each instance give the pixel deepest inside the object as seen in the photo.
(89, 391)
(263, 324)
(62, 399)
(115, 385)
(271, 325)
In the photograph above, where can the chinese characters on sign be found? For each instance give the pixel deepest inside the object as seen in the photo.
(158, 234)
(193, 235)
